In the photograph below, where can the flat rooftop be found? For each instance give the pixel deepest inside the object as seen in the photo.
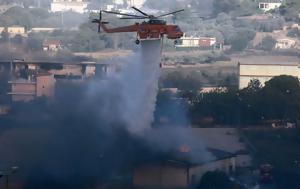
(267, 60)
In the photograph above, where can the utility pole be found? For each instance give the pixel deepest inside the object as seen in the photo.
(11, 58)
(6, 182)
(8, 173)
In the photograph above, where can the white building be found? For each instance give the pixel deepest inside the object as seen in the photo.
(40, 30)
(267, 5)
(69, 5)
(128, 3)
(136, 3)
(265, 72)
(197, 42)
(285, 43)
(16, 30)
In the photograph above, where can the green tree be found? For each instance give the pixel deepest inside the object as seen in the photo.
(4, 37)
(254, 86)
(34, 42)
(4, 87)
(238, 43)
(295, 32)
(241, 39)
(225, 5)
(178, 80)
(281, 98)
(268, 43)
(290, 10)
(215, 180)
(17, 16)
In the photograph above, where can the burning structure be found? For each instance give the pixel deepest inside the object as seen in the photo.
(177, 171)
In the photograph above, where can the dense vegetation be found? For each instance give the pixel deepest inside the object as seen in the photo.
(280, 148)
(212, 18)
(216, 180)
(278, 101)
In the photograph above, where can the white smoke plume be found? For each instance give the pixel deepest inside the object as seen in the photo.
(139, 81)
(133, 90)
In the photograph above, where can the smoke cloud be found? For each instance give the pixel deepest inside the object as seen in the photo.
(94, 131)
(140, 86)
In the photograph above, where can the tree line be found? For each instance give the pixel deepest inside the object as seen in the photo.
(277, 101)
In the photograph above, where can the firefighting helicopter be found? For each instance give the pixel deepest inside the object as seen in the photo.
(154, 28)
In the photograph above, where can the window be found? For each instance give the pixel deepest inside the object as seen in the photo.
(261, 6)
(266, 5)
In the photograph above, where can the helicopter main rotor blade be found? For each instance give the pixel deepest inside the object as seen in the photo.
(169, 13)
(145, 14)
(128, 18)
(123, 14)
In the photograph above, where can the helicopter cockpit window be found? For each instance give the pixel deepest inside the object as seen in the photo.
(157, 22)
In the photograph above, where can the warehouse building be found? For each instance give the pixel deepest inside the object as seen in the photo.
(265, 71)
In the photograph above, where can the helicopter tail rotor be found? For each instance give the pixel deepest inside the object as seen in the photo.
(99, 21)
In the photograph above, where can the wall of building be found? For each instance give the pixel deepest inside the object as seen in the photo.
(45, 86)
(68, 70)
(264, 72)
(136, 3)
(177, 175)
(226, 165)
(197, 42)
(90, 70)
(27, 90)
(157, 176)
(16, 30)
(22, 91)
(76, 6)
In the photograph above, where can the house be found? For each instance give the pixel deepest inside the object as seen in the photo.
(16, 30)
(267, 5)
(265, 71)
(78, 6)
(291, 26)
(51, 45)
(200, 42)
(196, 151)
(177, 171)
(285, 43)
(46, 30)
(24, 90)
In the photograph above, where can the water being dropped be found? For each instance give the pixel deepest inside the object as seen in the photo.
(140, 86)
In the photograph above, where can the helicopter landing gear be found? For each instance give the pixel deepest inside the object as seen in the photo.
(137, 42)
